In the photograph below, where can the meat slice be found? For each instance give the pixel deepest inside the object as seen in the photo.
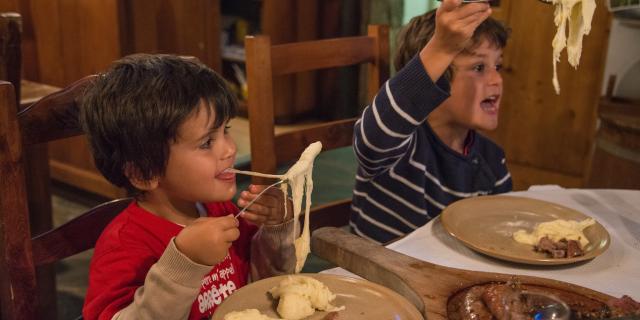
(468, 305)
(546, 244)
(624, 307)
(573, 249)
(561, 249)
(505, 302)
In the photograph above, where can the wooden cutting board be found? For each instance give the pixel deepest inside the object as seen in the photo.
(428, 286)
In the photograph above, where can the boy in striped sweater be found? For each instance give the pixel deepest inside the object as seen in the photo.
(417, 144)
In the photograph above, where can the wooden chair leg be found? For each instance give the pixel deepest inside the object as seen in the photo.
(41, 220)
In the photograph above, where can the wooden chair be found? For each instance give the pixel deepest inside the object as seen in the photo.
(54, 117)
(265, 61)
(36, 157)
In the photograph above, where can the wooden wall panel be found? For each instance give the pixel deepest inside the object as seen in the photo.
(75, 38)
(539, 129)
(501, 11)
(291, 21)
(9, 5)
(174, 26)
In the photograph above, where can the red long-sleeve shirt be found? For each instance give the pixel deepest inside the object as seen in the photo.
(135, 240)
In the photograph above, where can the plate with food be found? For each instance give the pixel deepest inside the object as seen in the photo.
(315, 297)
(525, 230)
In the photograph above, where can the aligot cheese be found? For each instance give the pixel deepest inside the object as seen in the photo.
(577, 14)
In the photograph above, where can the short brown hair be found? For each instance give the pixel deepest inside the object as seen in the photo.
(132, 112)
(415, 35)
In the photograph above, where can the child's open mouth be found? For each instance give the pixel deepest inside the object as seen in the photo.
(226, 175)
(490, 104)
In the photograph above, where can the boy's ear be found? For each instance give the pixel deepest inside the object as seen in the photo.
(135, 178)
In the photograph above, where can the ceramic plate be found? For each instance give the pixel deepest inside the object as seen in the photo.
(486, 224)
(363, 299)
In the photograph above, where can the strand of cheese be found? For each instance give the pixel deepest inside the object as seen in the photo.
(578, 14)
(299, 177)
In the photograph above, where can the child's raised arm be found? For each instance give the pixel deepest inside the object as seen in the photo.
(455, 24)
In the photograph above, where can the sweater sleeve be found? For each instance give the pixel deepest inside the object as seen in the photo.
(272, 250)
(383, 133)
(173, 281)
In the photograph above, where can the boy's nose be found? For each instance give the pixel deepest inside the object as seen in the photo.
(495, 78)
(230, 148)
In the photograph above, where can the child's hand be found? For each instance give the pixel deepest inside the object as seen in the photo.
(207, 240)
(268, 209)
(455, 23)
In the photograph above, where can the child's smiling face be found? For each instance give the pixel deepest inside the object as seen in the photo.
(197, 161)
(476, 88)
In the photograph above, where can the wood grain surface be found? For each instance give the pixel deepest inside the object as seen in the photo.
(428, 286)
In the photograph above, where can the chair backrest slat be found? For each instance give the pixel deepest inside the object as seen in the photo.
(333, 135)
(321, 54)
(55, 116)
(77, 235)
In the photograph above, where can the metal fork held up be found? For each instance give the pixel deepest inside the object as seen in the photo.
(258, 196)
(473, 1)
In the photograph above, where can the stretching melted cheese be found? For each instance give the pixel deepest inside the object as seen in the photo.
(299, 177)
(578, 15)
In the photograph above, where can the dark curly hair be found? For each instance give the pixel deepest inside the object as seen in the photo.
(132, 112)
(415, 35)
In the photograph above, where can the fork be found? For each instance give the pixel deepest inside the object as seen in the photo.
(258, 196)
(473, 1)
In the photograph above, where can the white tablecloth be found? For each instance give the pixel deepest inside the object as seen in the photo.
(615, 272)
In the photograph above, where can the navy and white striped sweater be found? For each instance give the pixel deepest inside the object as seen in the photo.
(406, 174)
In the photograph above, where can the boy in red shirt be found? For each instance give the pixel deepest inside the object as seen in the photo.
(157, 125)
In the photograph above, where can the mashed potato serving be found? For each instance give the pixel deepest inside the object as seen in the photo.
(300, 297)
(556, 230)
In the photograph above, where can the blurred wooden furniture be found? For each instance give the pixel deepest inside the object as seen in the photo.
(10, 53)
(59, 47)
(615, 162)
(27, 92)
(21, 249)
(548, 137)
(264, 62)
(36, 157)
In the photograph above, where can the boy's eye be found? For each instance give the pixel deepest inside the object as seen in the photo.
(206, 144)
(478, 68)
(226, 129)
(499, 67)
